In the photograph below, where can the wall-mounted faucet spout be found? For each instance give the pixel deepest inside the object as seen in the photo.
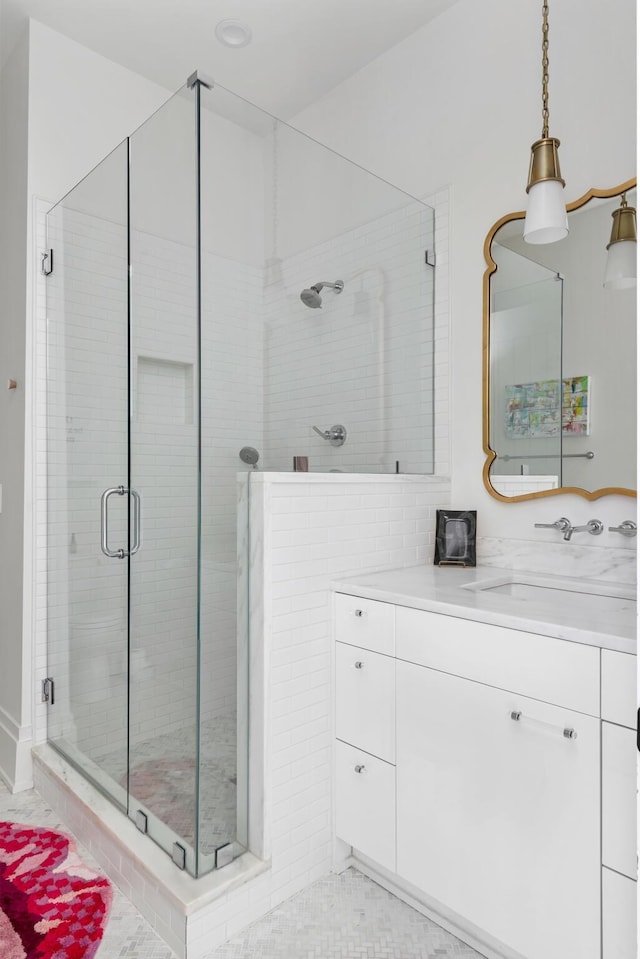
(594, 526)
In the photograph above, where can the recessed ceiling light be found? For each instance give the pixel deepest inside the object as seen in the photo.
(233, 33)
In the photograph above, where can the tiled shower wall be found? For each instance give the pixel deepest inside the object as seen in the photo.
(364, 359)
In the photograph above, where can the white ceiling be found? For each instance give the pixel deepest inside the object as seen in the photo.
(301, 49)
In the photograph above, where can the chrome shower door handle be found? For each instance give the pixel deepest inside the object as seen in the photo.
(137, 522)
(104, 523)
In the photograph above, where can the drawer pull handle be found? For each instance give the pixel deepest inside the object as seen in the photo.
(359, 664)
(359, 612)
(359, 768)
(566, 731)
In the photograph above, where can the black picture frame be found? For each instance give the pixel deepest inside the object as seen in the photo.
(455, 537)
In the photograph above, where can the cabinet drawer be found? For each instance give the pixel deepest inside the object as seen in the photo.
(366, 700)
(366, 623)
(619, 799)
(619, 688)
(366, 804)
(554, 671)
(618, 916)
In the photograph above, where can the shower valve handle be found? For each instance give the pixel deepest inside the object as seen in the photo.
(337, 435)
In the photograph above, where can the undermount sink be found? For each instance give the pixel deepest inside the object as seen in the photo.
(585, 597)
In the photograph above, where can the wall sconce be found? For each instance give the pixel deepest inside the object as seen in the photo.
(621, 268)
(546, 218)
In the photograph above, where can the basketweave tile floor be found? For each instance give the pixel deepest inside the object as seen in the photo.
(339, 917)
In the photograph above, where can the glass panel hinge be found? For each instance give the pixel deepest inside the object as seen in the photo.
(48, 691)
(46, 263)
(430, 257)
(179, 855)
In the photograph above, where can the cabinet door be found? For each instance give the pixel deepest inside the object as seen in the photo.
(619, 792)
(366, 804)
(366, 700)
(618, 916)
(498, 819)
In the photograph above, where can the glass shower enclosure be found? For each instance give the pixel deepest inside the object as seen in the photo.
(180, 357)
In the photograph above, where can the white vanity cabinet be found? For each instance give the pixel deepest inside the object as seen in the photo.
(619, 794)
(483, 790)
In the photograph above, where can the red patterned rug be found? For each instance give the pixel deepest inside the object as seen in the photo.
(52, 906)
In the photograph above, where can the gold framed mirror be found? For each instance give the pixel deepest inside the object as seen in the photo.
(559, 359)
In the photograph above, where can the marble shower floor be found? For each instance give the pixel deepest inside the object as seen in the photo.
(338, 917)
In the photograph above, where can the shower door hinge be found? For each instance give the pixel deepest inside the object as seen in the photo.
(179, 855)
(46, 263)
(48, 691)
(430, 257)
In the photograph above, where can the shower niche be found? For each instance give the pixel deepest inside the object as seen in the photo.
(177, 336)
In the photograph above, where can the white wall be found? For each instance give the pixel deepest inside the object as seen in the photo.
(51, 135)
(459, 102)
(14, 714)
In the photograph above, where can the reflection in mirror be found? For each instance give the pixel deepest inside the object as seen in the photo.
(560, 360)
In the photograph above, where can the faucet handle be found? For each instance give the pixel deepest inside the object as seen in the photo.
(562, 524)
(626, 528)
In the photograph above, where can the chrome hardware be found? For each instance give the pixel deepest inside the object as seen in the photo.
(137, 522)
(48, 691)
(104, 523)
(359, 664)
(594, 526)
(626, 528)
(225, 854)
(46, 263)
(141, 820)
(359, 768)
(562, 524)
(567, 731)
(337, 435)
(359, 612)
(589, 455)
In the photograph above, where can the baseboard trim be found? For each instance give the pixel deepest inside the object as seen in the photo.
(16, 766)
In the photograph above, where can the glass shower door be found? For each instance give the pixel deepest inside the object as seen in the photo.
(164, 467)
(87, 317)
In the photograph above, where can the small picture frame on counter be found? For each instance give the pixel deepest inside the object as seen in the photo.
(455, 537)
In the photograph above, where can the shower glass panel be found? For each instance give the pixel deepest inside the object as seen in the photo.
(526, 377)
(164, 469)
(182, 356)
(87, 455)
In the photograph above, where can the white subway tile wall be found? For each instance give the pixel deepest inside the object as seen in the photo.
(364, 360)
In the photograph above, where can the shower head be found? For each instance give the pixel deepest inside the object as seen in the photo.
(312, 298)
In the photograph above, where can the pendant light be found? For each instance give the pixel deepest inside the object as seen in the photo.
(621, 269)
(546, 219)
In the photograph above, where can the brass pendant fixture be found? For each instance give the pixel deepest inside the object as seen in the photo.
(621, 268)
(546, 218)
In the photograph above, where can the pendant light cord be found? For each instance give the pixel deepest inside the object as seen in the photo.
(545, 69)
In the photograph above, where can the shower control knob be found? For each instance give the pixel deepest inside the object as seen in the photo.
(359, 664)
(359, 768)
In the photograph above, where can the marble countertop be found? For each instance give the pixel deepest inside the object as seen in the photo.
(587, 611)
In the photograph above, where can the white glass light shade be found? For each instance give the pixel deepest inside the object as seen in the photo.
(621, 269)
(546, 220)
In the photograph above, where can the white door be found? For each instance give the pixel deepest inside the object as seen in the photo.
(499, 818)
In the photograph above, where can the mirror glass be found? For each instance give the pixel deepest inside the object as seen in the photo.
(560, 359)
